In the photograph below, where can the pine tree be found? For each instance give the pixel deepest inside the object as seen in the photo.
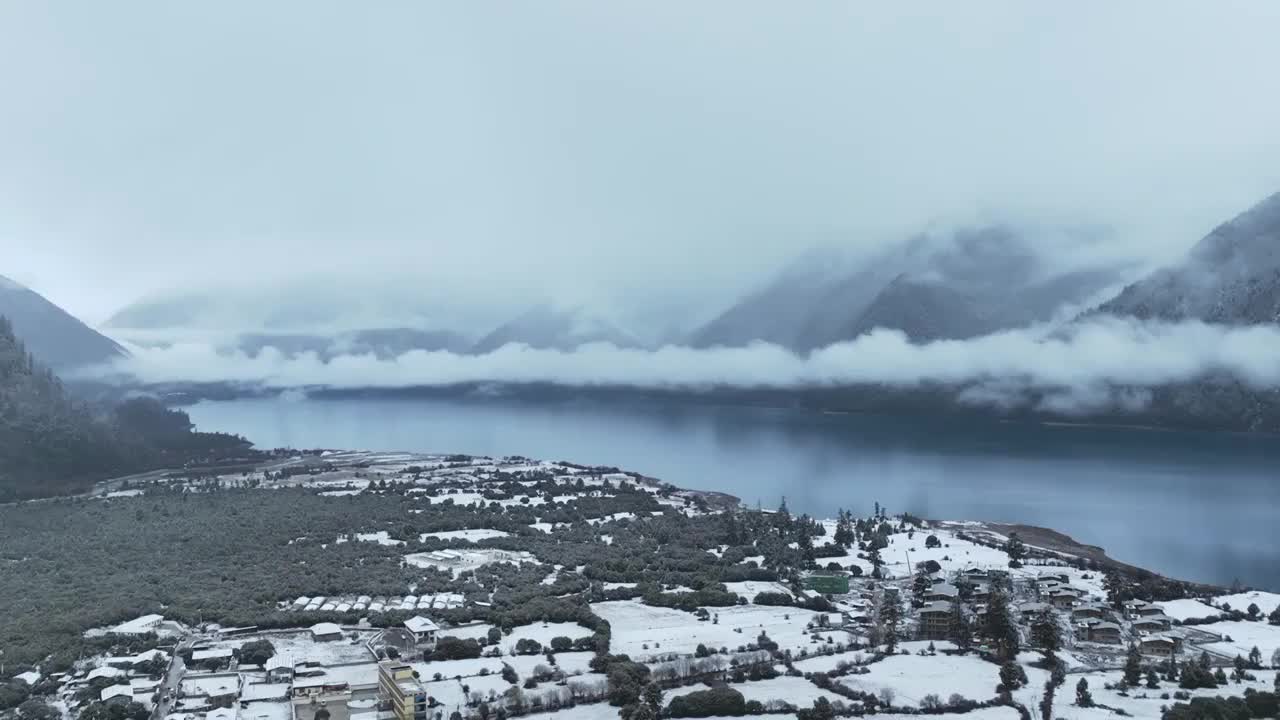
(1000, 628)
(890, 616)
(961, 632)
(1015, 549)
(1083, 698)
(1045, 634)
(1133, 666)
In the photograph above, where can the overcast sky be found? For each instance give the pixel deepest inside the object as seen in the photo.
(668, 152)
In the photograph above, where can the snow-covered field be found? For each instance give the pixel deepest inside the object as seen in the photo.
(750, 588)
(1244, 636)
(1140, 702)
(1266, 601)
(542, 632)
(666, 631)
(299, 647)
(911, 677)
(1183, 609)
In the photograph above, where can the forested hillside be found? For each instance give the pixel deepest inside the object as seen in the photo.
(53, 444)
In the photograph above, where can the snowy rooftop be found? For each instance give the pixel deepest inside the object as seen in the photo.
(419, 624)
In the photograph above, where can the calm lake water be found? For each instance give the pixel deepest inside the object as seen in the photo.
(1192, 505)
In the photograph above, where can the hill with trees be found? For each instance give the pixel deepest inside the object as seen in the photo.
(52, 443)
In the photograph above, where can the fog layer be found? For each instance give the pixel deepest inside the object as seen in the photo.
(1079, 366)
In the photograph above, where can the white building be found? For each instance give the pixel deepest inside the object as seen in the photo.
(423, 629)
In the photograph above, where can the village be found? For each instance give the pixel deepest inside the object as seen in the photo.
(897, 622)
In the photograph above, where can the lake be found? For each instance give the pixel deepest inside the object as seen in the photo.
(1197, 506)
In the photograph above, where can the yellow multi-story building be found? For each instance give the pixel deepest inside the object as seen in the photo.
(401, 691)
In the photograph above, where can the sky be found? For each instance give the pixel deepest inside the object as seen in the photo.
(665, 155)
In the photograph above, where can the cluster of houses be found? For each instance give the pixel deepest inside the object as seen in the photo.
(1090, 621)
(367, 603)
(131, 678)
(289, 688)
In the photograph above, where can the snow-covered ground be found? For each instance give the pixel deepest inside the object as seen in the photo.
(468, 535)
(1183, 609)
(1244, 636)
(299, 647)
(750, 588)
(911, 677)
(1266, 601)
(1140, 702)
(664, 631)
(542, 632)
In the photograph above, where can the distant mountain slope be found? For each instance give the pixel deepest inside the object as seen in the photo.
(961, 285)
(546, 328)
(797, 303)
(381, 342)
(1232, 276)
(53, 336)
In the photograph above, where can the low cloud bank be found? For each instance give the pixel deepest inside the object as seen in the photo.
(1103, 362)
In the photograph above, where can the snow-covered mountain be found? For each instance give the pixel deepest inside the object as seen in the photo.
(956, 286)
(546, 327)
(52, 335)
(1231, 276)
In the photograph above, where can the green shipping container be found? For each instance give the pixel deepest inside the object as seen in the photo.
(828, 584)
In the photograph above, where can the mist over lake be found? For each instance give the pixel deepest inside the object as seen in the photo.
(1196, 506)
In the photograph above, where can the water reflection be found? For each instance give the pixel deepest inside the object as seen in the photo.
(1192, 505)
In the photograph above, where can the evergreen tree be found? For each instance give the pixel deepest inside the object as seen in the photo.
(1083, 698)
(961, 632)
(889, 617)
(1015, 549)
(1045, 634)
(1133, 666)
(1000, 628)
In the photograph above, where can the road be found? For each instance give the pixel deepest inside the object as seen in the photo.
(168, 691)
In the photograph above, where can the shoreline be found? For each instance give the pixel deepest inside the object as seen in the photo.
(1047, 541)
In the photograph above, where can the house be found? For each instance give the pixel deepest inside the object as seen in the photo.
(264, 692)
(1063, 599)
(213, 656)
(1090, 610)
(213, 690)
(139, 626)
(1152, 623)
(307, 668)
(1140, 608)
(1059, 577)
(423, 629)
(317, 686)
(116, 695)
(942, 593)
(1104, 632)
(1160, 646)
(1030, 610)
(935, 621)
(106, 671)
(326, 631)
(973, 572)
(981, 592)
(279, 669)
